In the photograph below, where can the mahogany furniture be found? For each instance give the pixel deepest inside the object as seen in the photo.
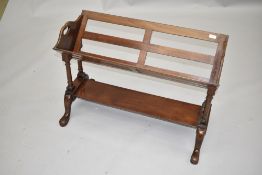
(69, 45)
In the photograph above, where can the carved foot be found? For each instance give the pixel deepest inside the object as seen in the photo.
(68, 99)
(200, 134)
(195, 157)
(64, 120)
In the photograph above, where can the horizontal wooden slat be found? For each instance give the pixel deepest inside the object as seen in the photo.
(154, 106)
(208, 59)
(115, 40)
(149, 70)
(179, 53)
(169, 73)
(164, 28)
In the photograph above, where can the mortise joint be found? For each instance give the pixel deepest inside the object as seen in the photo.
(143, 53)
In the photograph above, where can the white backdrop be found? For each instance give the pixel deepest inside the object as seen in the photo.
(102, 140)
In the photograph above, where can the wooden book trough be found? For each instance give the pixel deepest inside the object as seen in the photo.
(69, 45)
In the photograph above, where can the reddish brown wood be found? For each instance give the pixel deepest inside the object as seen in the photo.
(70, 43)
(68, 97)
(78, 43)
(130, 100)
(71, 89)
(219, 59)
(148, 70)
(147, 47)
(146, 40)
(164, 28)
(68, 35)
(200, 134)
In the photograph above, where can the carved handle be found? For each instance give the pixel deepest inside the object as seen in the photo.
(68, 34)
(65, 29)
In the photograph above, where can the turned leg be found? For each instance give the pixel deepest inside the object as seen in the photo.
(200, 134)
(203, 123)
(69, 97)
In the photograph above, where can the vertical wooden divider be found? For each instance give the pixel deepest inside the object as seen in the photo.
(142, 55)
(80, 34)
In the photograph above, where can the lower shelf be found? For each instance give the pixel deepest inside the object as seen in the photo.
(130, 100)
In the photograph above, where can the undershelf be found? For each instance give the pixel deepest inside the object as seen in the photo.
(134, 101)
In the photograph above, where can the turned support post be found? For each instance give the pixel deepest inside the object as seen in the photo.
(207, 105)
(80, 66)
(81, 73)
(66, 58)
(79, 62)
(203, 123)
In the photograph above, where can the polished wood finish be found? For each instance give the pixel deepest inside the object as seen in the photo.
(147, 47)
(130, 100)
(142, 55)
(148, 70)
(164, 28)
(196, 116)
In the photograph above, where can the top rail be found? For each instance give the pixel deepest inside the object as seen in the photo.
(164, 28)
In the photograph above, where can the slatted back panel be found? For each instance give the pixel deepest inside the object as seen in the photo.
(145, 46)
